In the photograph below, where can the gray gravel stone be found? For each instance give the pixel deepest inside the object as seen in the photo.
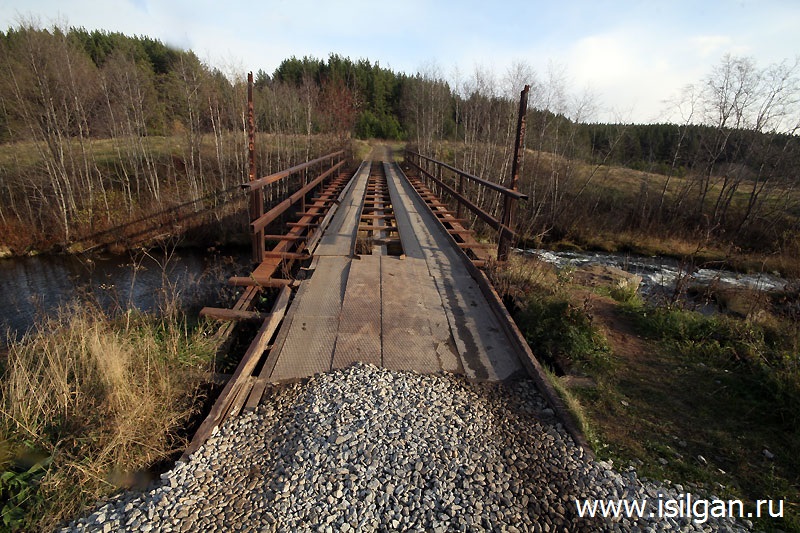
(367, 449)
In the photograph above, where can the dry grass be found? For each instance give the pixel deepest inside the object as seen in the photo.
(518, 277)
(574, 406)
(23, 156)
(102, 399)
(361, 149)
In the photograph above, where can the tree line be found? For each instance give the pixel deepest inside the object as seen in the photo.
(99, 127)
(728, 169)
(726, 173)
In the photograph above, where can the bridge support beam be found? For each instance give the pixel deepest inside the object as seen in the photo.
(256, 195)
(509, 206)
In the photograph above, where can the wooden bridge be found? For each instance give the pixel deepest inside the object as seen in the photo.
(374, 266)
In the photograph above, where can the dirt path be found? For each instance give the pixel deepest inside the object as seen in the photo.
(381, 152)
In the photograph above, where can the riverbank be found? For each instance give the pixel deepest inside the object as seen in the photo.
(697, 253)
(220, 227)
(708, 402)
(33, 288)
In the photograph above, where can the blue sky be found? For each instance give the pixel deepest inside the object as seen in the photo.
(631, 55)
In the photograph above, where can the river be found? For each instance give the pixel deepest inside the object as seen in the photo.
(659, 274)
(35, 287)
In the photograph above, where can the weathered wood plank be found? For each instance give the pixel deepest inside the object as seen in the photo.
(241, 396)
(220, 313)
(254, 281)
(244, 371)
(259, 386)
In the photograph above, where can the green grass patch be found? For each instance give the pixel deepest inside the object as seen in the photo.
(708, 402)
(575, 406)
(767, 352)
(713, 404)
(563, 334)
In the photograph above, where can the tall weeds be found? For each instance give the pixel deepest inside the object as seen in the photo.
(99, 399)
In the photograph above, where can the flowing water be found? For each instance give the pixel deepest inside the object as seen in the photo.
(660, 274)
(34, 287)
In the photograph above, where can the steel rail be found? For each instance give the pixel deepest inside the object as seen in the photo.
(486, 183)
(277, 176)
(493, 222)
(264, 220)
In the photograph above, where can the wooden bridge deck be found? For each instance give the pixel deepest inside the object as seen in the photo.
(422, 310)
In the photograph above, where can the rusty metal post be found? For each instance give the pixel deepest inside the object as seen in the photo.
(460, 190)
(256, 196)
(441, 177)
(509, 204)
(303, 199)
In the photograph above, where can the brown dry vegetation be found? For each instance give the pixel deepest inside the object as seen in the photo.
(606, 208)
(213, 206)
(88, 403)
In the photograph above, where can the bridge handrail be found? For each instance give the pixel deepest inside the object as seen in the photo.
(486, 183)
(503, 225)
(277, 176)
(270, 216)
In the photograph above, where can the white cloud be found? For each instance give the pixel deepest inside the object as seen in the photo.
(603, 59)
(706, 45)
(644, 54)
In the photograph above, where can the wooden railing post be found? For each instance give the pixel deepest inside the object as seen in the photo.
(509, 204)
(256, 195)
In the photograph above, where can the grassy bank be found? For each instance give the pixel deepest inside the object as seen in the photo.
(707, 402)
(89, 403)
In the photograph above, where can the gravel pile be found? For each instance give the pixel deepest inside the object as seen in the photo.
(366, 449)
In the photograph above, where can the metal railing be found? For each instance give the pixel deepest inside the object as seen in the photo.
(436, 172)
(258, 218)
(326, 166)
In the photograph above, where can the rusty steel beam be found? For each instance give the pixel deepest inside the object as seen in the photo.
(285, 237)
(475, 244)
(483, 215)
(302, 224)
(486, 183)
(509, 206)
(256, 196)
(272, 215)
(393, 229)
(453, 220)
(272, 178)
(287, 255)
(520, 139)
